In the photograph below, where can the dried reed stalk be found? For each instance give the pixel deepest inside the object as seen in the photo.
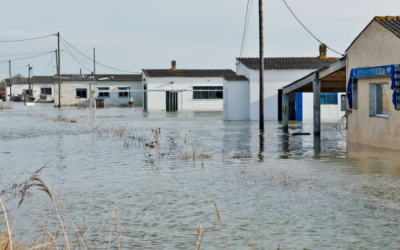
(7, 224)
(199, 238)
(220, 224)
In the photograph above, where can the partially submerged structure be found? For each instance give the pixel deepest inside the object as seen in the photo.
(373, 77)
(41, 88)
(184, 89)
(278, 73)
(116, 90)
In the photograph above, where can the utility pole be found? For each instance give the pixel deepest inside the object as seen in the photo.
(94, 72)
(9, 69)
(59, 70)
(29, 82)
(261, 18)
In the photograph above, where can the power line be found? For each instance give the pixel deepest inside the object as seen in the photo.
(309, 30)
(17, 59)
(96, 61)
(27, 39)
(13, 70)
(246, 25)
(22, 54)
(51, 62)
(74, 56)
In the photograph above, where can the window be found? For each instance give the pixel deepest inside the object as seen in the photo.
(123, 94)
(81, 93)
(45, 91)
(104, 94)
(379, 99)
(343, 100)
(329, 99)
(208, 93)
(27, 92)
(355, 94)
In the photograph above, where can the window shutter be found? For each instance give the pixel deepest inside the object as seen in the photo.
(397, 85)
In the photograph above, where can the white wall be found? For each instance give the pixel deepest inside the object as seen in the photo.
(329, 113)
(68, 93)
(156, 100)
(274, 80)
(36, 90)
(236, 101)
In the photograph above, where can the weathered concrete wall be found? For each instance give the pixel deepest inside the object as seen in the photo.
(36, 90)
(68, 93)
(376, 46)
(156, 100)
(236, 101)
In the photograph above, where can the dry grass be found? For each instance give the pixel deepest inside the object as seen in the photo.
(6, 106)
(65, 119)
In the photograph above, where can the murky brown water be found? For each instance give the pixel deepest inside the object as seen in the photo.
(291, 191)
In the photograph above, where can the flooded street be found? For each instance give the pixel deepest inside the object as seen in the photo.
(270, 190)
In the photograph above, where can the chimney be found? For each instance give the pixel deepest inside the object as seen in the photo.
(173, 64)
(322, 51)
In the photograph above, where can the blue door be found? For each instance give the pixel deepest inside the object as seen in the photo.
(299, 106)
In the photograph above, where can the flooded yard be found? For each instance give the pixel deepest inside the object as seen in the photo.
(154, 178)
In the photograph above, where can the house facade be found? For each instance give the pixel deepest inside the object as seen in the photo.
(373, 84)
(42, 88)
(279, 72)
(184, 89)
(116, 90)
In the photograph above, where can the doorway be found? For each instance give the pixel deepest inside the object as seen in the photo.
(171, 101)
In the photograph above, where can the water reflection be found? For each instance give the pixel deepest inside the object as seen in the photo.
(261, 151)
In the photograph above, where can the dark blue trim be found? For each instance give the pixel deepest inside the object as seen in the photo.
(325, 101)
(299, 106)
(124, 88)
(104, 96)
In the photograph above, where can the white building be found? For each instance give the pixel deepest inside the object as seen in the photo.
(116, 90)
(42, 88)
(280, 72)
(184, 89)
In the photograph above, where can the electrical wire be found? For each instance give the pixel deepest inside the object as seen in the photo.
(96, 61)
(246, 28)
(22, 54)
(51, 62)
(27, 39)
(13, 70)
(74, 56)
(17, 59)
(309, 30)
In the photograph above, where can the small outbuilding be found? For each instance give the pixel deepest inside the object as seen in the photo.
(112, 90)
(41, 88)
(184, 89)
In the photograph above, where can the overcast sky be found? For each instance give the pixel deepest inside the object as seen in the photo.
(136, 34)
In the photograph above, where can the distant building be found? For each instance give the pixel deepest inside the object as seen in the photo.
(373, 74)
(184, 89)
(42, 88)
(116, 90)
(279, 72)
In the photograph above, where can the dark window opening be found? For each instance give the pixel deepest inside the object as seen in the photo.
(81, 93)
(329, 98)
(123, 94)
(208, 93)
(45, 91)
(104, 94)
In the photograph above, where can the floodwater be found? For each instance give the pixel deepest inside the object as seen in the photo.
(271, 190)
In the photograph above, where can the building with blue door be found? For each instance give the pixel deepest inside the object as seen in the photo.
(279, 72)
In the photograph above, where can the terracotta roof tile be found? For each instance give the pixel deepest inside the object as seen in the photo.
(188, 73)
(391, 23)
(282, 63)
